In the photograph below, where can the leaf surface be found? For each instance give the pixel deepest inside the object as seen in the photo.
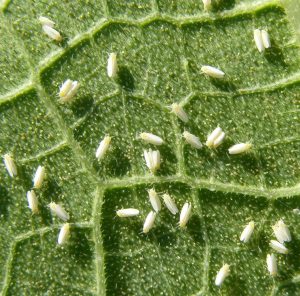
(161, 46)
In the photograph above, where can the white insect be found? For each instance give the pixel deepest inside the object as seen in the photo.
(170, 204)
(148, 224)
(45, 21)
(296, 211)
(152, 139)
(154, 200)
(282, 232)
(59, 211)
(52, 33)
(179, 112)
(103, 147)
(152, 159)
(212, 71)
(124, 213)
(272, 264)
(222, 274)
(219, 140)
(65, 88)
(206, 4)
(68, 90)
(185, 214)
(39, 177)
(193, 140)
(215, 138)
(112, 65)
(32, 202)
(240, 148)
(10, 165)
(247, 232)
(265, 39)
(64, 234)
(258, 40)
(277, 246)
(262, 39)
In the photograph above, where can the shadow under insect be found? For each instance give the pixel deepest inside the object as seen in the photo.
(274, 55)
(195, 230)
(223, 84)
(125, 79)
(80, 246)
(117, 164)
(5, 201)
(220, 5)
(82, 105)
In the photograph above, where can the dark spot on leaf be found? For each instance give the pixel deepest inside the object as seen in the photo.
(220, 5)
(82, 105)
(4, 202)
(195, 229)
(275, 55)
(223, 84)
(80, 246)
(125, 79)
(164, 237)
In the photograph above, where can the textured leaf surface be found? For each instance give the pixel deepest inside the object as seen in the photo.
(161, 46)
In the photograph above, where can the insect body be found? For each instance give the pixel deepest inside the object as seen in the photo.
(282, 232)
(152, 159)
(149, 222)
(272, 264)
(277, 246)
(206, 4)
(52, 33)
(222, 275)
(247, 232)
(185, 214)
(170, 204)
(154, 200)
(59, 211)
(212, 71)
(193, 140)
(39, 177)
(45, 21)
(130, 212)
(215, 138)
(64, 234)
(240, 148)
(68, 90)
(112, 65)
(103, 147)
(179, 112)
(152, 139)
(262, 39)
(265, 39)
(32, 202)
(10, 165)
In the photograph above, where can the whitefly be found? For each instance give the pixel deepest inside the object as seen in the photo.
(10, 165)
(170, 204)
(59, 211)
(154, 200)
(149, 222)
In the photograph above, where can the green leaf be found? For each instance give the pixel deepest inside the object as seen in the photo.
(161, 46)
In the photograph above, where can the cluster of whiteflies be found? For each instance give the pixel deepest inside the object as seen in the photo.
(153, 159)
(69, 87)
(33, 203)
(280, 229)
(48, 28)
(282, 235)
(154, 199)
